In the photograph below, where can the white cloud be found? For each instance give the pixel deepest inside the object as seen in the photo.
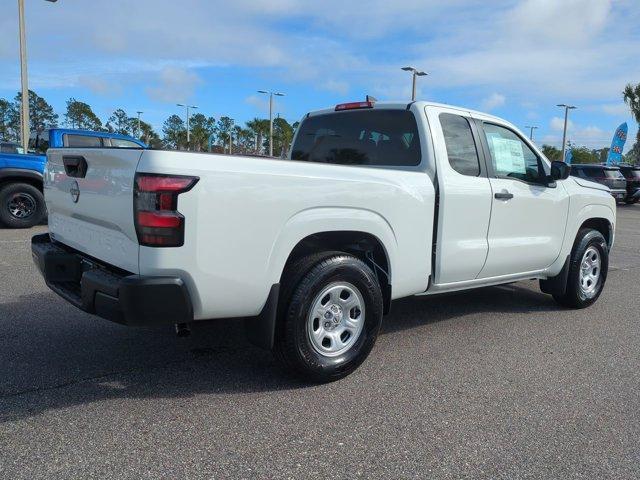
(616, 109)
(493, 101)
(544, 51)
(261, 103)
(175, 85)
(565, 22)
(258, 101)
(521, 44)
(590, 136)
(557, 124)
(336, 86)
(99, 85)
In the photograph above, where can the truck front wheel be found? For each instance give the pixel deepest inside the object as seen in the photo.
(588, 268)
(21, 205)
(329, 317)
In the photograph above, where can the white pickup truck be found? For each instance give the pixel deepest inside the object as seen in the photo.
(375, 202)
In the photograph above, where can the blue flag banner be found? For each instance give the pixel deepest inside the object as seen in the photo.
(617, 145)
(568, 156)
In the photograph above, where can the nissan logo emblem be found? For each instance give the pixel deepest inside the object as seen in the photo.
(75, 192)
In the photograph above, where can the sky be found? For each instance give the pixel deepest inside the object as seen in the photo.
(515, 59)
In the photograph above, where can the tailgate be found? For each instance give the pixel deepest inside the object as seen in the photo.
(89, 196)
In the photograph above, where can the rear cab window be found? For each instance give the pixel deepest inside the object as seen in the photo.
(81, 141)
(122, 143)
(361, 137)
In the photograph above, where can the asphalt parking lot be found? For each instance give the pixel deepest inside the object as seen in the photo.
(495, 383)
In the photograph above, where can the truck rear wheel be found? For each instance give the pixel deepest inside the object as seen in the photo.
(329, 316)
(588, 267)
(21, 205)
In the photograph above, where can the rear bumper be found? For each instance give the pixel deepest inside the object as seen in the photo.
(107, 292)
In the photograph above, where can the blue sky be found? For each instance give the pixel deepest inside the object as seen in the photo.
(516, 59)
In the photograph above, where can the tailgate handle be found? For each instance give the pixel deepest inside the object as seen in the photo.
(75, 166)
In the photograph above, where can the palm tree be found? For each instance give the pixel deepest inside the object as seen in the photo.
(631, 95)
(260, 129)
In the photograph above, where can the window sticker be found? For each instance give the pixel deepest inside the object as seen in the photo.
(508, 155)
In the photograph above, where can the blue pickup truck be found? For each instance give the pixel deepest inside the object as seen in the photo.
(21, 199)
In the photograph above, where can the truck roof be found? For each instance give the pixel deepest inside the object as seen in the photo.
(391, 105)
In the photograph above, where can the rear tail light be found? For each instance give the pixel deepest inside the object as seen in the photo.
(158, 222)
(354, 106)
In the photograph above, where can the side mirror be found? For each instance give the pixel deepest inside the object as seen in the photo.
(560, 170)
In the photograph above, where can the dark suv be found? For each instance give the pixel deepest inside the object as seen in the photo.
(632, 174)
(606, 175)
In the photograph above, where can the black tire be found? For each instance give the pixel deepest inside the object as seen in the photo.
(21, 205)
(303, 282)
(574, 296)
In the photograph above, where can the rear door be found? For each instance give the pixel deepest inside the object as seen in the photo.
(464, 197)
(528, 217)
(89, 196)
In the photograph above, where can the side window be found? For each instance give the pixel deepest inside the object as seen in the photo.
(80, 141)
(461, 148)
(511, 157)
(121, 143)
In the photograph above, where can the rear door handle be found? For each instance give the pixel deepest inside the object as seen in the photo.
(75, 166)
(503, 196)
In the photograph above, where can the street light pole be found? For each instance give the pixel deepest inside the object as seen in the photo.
(188, 131)
(271, 94)
(24, 77)
(564, 132)
(414, 73)
(139, 113)
(531, 129)
(24, 82)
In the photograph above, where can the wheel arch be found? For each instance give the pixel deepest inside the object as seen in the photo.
(602, 225)
(21, 175)
(599, 217)
(362, 233)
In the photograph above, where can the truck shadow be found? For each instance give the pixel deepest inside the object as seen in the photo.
(53, 356)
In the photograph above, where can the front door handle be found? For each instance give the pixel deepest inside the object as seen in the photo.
(503, 196)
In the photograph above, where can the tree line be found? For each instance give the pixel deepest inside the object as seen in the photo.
(205, 133)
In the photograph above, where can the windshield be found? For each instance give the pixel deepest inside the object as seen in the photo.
(39, 142)
(613, 174)
(10, 148)
(362, 137)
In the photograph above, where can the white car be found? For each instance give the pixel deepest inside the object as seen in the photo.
(376, 202)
